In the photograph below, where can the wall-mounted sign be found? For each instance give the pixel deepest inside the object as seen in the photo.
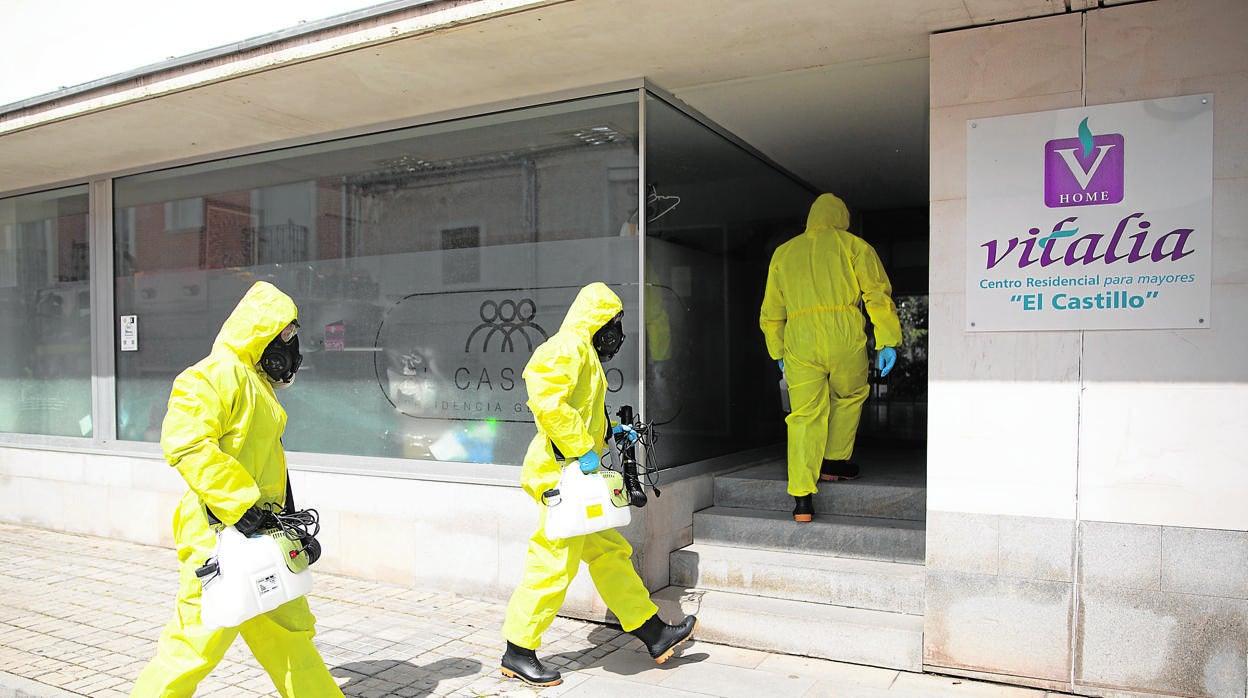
(1091, 218)
(129, 332)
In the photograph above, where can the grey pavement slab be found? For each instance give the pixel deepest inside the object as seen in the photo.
(80, 615)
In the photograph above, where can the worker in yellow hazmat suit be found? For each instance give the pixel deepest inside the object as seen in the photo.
(222, 432)
(567, 393)
(811, 318)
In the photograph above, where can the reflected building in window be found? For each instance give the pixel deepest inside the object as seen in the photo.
(429, 262)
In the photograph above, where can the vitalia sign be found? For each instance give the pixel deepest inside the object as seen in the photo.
(1091, 218)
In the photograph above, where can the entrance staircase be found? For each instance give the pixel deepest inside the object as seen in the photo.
(847, 586)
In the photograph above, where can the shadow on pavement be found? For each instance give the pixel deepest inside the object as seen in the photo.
(363, 678)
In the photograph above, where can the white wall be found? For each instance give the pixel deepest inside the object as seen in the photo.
(1163, 412)
(424, 533)
(1089, 486)
(457, 537)
(1126, 426)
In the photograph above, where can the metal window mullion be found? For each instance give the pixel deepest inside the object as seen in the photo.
(642, 357)
(103, 341)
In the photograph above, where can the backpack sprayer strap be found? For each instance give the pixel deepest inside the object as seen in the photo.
(289, 508)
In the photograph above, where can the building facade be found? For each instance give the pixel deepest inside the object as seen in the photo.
(432, 184)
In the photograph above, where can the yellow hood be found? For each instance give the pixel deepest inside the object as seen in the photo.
(262, 313)
(593, 307)
(828, 211)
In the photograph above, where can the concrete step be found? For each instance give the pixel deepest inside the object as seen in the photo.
(886, 494)
(892, 540)
(876, 638)
(868, 584)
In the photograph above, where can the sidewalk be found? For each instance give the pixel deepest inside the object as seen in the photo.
(79, 616)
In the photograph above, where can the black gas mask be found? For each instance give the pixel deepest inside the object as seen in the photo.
(281, 358)
(609, 337)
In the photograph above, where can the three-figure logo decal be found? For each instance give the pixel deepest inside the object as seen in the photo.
(507, 318)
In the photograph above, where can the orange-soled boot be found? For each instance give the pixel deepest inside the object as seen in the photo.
(661, 639)
(804, 509)
(522, 663)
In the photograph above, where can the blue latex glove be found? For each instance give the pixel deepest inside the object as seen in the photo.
(885, 360)
(625, 429)
(780, 362)
(590, 462)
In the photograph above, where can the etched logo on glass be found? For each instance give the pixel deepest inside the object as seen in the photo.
(506, 319)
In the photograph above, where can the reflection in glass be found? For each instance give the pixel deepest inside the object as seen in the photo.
(426, 264)
(45, 314)
(714, 213)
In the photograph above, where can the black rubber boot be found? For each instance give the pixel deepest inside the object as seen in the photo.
(521, 663)
(804, 509)
(833, 470)
(661, 639)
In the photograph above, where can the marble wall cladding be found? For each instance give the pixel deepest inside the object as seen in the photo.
(1131, 576)
(1205, 562)
(1167, 559)
(1159, 49)
(1000, 624)
(947, 258)
(1036, 548)
(1163, 453)
(1159, 642)
(1230, 265)
(1017, 547)
(963, 543)
(1003, 451)
(1120, 555)
(948, 137)
(999, 594)
(999, 63)
(1162, 609)
(1149, 609)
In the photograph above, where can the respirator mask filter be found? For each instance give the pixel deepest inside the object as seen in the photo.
(609, 338)
(281, 358)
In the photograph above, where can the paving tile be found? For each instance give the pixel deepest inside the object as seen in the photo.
(930, 685)
(836, 672)
(377, 639)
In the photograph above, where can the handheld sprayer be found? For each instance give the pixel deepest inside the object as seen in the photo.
(632, 470)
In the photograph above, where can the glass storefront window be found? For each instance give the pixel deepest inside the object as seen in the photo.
(429, 262)
(45, 314)
(426, 263)
(714, 214)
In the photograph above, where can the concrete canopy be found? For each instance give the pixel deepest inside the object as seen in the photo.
(833, 90)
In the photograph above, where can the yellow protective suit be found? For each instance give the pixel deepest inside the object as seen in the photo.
(222, 432)
(662, 398)
(658, 325)
(811, 317)
(567, 394)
